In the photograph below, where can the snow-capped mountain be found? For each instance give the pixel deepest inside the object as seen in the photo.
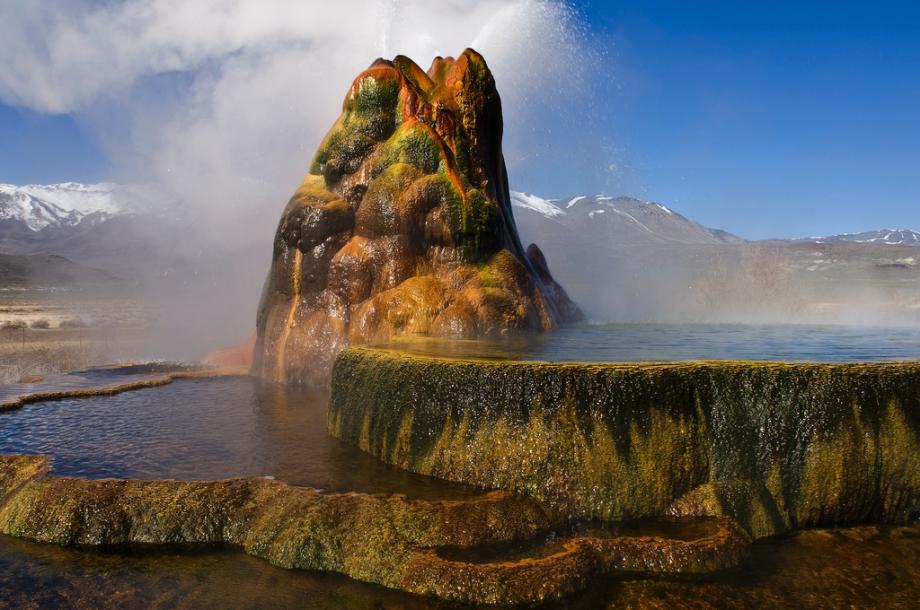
(106, 225)
(39, 207)
(888, 237)
(621, 220)
(545, 207)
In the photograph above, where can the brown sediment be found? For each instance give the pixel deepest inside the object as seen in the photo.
(235, 356)
(110, 390)
(573, 562)
(385, 539)
(773, 446)
(403, 225)
(292, 312)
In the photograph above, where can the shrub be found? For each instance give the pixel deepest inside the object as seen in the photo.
(72, 323)
(43, 323)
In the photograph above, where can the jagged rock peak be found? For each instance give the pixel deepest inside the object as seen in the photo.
(403, 225)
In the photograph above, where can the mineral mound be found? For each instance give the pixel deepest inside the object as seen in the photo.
(403, 226)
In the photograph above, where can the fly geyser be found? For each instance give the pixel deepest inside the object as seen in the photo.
(402, 226)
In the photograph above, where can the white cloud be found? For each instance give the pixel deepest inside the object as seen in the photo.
(223, 102)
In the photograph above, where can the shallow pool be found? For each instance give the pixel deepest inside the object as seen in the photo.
(206, 429)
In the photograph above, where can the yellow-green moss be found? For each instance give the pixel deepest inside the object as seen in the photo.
(775, 446)
(413, 144)
(369, 116)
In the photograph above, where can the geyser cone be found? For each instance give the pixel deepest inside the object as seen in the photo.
(403, 225)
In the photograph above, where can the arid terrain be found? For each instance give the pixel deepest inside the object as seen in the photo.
(627, 260)
(57, 315)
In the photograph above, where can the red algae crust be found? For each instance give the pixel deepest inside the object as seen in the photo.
(772, 446)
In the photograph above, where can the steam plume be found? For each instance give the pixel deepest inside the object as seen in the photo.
(221, 104)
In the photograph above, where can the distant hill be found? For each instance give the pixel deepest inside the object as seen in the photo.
(47, 271)
(620, 258)
(888, 237)
(635, 261)
(37, 207)
(121, 228)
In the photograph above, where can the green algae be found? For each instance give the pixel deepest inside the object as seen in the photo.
(379, 211)
(368, 537)
(409, 183)
(773, 446)
(369, 116)
(373, 95)
(386, 539)
(478, 229)
(412, 143)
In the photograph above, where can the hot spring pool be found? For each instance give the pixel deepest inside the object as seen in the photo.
(666, 342)
(226, 427)
(201, 429)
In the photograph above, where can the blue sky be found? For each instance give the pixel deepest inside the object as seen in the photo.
(766, 119)
(770, 118)
(41, 148)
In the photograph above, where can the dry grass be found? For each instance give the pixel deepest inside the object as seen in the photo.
(31, 351)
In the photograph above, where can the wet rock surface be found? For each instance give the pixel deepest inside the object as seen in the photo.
(388, 540)
(859, 567)
(403, 225)
(773, 446)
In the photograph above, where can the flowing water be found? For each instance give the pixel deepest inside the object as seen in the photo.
(235, 426)
(227, 427)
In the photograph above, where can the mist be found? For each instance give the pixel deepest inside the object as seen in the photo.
(220, 106)
(759, 283)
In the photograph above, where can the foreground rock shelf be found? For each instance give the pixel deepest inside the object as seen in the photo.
(772, 446)
(376, 538)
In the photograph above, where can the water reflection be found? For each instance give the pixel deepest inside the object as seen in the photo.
(862, 567)
(47, 576)
(218, 428)
(200, 429)
(867, 567)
